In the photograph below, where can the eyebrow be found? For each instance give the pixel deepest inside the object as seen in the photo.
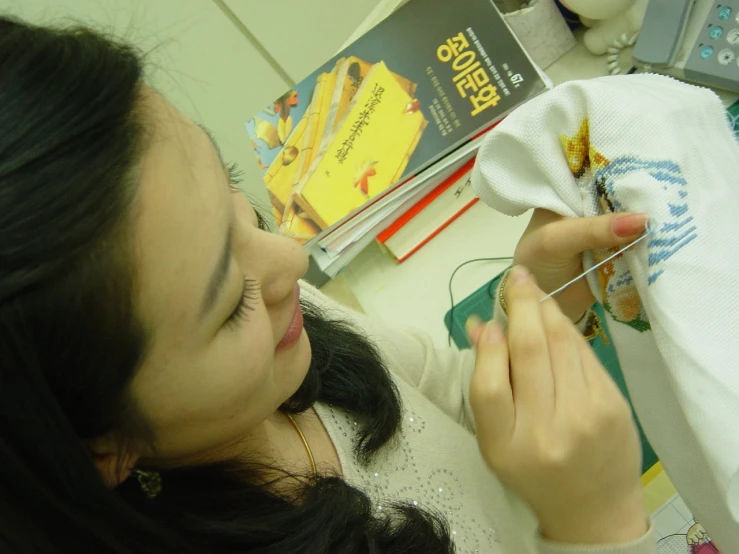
(218, 277)
(220, 272)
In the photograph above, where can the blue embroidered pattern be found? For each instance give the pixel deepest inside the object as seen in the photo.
(600, 177)
(673, 234)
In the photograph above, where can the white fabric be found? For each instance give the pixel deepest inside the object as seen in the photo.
(647, 143)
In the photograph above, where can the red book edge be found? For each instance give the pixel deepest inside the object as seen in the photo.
(408, 179)
(438, 230)
(425, 201)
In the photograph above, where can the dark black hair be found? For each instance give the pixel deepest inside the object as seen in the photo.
(71, 133)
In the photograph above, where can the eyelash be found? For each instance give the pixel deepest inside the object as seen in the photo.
(235, 176)
(248, 294)
(241, 312)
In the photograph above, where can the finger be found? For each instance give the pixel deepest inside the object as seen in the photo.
(491, 396)
(596, 376)
(571, 237)
(474, 327)
(564, 354)
(531, 373)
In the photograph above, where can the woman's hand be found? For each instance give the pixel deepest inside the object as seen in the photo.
(552, 247)
(553, 425)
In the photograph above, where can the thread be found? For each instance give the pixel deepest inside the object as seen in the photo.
(649, 228)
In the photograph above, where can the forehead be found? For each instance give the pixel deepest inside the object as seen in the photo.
(180, 223)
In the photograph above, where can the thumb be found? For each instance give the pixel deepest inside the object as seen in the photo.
(570, 237)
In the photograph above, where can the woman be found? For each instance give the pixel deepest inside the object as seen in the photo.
(167, 385)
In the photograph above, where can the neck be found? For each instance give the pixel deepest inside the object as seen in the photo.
(272, 443)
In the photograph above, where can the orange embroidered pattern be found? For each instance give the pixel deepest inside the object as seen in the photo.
(620, 297)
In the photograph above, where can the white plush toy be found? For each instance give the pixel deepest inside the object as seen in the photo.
(609, 21)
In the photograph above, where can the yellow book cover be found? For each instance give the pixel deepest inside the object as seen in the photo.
(324, 120)
(351, 73)
(363, 159)
(459, 66)
(317, 114)
(280, 175)
(350, 77)
(346, 78)
(295, 224)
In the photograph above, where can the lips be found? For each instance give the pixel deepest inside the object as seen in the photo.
(295, 329)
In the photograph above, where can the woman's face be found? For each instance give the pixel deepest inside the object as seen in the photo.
(218, 297)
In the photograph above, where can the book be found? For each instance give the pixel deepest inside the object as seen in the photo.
(338, 248)
(357, 224)
(332, 261)
(343, 177)
(431, 215)
(418, 86)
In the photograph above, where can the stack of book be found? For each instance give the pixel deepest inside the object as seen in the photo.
(380, 133)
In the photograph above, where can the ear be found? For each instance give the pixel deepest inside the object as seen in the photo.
(114, 465)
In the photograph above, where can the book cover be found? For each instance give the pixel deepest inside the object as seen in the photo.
(317, 116)
(676, 528)
(446, 71)
(353, 72)
(362, 159)
(280, 175)
(348, 76)
(360, 222)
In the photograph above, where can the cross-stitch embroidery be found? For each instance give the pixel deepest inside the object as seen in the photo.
(619, 294)
(671, 235)
(590, 167)
(671, 159)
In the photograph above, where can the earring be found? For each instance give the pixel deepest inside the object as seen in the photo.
(150, 482)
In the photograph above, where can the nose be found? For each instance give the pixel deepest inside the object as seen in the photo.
(284, 261)
(276, 260)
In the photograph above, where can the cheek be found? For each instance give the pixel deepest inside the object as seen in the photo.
(243, 358)
(200, 400)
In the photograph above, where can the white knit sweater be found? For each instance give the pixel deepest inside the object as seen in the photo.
(436, 462)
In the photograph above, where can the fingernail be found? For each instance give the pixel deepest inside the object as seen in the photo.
(493, 333)
(519, 275)
(472, 324)
(628, 225)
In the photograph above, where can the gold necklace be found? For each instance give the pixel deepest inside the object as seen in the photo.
(305, 443)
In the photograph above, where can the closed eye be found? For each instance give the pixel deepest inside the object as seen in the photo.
(240, 313)
(235, 176)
